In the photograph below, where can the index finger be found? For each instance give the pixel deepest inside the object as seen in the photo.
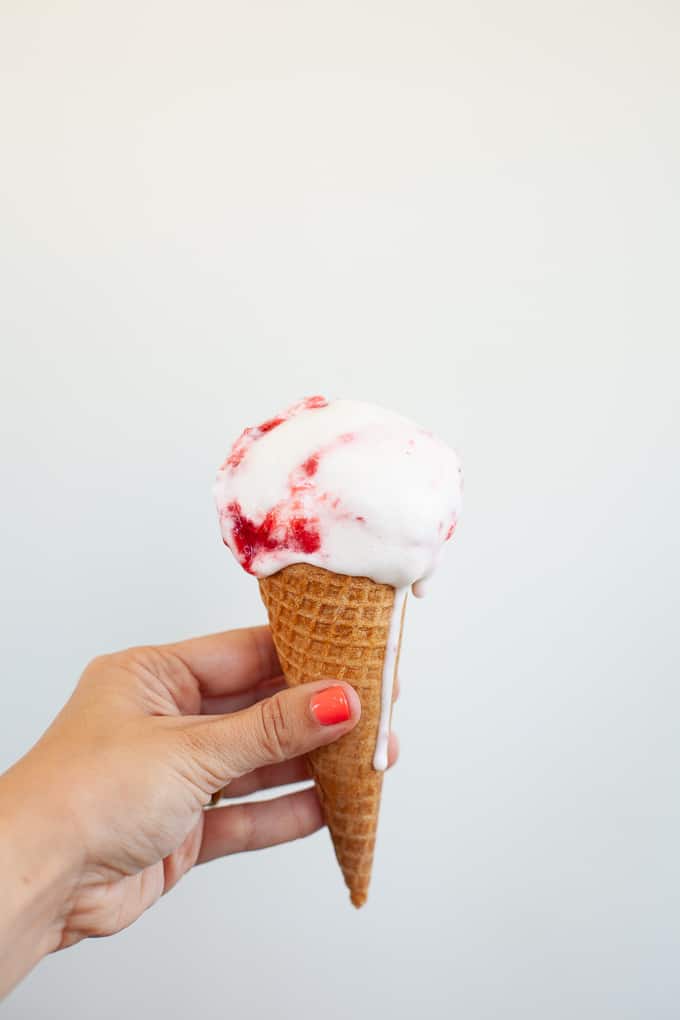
(230, 662)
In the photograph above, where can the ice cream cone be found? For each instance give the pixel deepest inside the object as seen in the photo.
(373, 497)
(332, 626)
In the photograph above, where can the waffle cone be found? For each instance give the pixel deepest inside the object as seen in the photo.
(327, 625)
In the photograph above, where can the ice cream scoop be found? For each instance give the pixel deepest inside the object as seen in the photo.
(338, 507)
(344, 485)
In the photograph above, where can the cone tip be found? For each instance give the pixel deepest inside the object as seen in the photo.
(358, 898)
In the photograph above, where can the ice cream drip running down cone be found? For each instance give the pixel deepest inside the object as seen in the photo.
(339, 508)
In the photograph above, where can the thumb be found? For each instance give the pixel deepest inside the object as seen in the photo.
(290, 723)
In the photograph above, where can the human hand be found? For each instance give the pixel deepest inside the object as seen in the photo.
(119, 782)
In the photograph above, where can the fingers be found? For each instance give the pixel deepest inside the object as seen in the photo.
(294, 771)
(234, 702)
(184, 857)
(230, 830)
(392, 750)
(244, 699)
(218, 749)
(231, 662)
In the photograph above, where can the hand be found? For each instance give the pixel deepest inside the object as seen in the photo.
(117, 787)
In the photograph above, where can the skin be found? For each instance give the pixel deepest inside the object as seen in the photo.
(107, 812)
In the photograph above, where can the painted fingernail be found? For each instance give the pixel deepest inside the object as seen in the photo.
(330, 706)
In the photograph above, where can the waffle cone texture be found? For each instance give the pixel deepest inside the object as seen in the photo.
(333, 626)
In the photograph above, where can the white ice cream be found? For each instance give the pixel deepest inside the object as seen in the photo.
(344, 485)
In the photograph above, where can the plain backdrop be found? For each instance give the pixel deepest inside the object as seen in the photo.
(469, 213)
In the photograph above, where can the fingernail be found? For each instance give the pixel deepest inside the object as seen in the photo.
(330, 706)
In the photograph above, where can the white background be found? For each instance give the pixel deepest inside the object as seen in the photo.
(468, 212)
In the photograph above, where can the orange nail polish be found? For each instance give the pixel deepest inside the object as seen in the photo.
(331, 706)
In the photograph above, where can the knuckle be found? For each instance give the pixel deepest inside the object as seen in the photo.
(143, 660)
(199, 760)
(99, 662)
(193, 741)
(299, 820)
(243, 829)
(96, 667)
(164, 670)
(277, 736)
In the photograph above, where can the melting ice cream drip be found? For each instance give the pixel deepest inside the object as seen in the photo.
(390, 663)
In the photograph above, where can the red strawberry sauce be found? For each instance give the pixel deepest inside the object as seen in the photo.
(298, 533)
(251, 434)
(311, 465)
(270, 424)
(285, 526)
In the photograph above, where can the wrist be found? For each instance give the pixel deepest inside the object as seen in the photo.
(39, 868)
